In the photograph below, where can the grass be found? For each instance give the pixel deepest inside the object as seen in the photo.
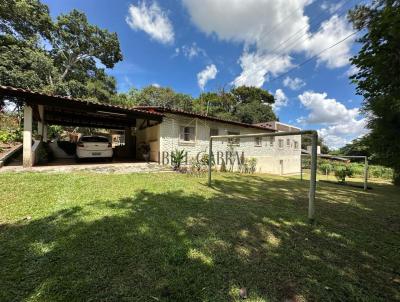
(168, 237)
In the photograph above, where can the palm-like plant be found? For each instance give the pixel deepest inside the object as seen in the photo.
(177, 158)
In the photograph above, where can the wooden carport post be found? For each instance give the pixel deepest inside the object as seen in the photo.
(27, 138)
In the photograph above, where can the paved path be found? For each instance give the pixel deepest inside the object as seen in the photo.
(98, 167)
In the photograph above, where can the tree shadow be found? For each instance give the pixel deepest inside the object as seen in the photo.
(178, 246)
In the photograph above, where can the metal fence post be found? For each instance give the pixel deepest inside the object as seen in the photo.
(209, 161)
(366, 174)
(313, 178)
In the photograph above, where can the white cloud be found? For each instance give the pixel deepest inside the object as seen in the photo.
(332, 7)
(294, 84)
(340, 124)
(352, 70)
(207, 74)
(281, 100)
(325, 110)
(191, 51)
(156, 85)
(152, 20)
(331, 32)
(338, 135)
(256, 67)
(263, 27)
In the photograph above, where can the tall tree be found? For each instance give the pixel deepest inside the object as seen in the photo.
(76, 42)
(378, 78)
(164, 97)
(23, 62)
(23, 20)
(244, 104)
(358, 147)
(70, 67)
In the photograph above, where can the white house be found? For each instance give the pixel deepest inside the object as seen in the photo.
(165, 130)
(191, 132)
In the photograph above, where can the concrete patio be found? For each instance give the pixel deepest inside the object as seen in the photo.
(70, 165)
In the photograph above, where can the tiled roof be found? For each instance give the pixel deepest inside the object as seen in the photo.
(24, 93)
(199, 115)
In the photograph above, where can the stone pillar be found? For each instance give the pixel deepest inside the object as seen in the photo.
(27, 142)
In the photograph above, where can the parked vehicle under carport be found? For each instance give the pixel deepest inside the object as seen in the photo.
(94, 146)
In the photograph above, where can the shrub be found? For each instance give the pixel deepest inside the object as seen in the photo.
(10, 136)
(204, 160)
(177, 158)
(54, 131)
(342, 171)
(357, 168)
(325, 167)
(196, 167)
(248, 165)
(222, 168)
(252, 163)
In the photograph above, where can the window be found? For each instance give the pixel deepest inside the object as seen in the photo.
(258, 141)
(271, 141)
(94, 139)
(233, 141)
(280, 143)
(296, 144)
(288, 143)
(214, 132)
(186, 134)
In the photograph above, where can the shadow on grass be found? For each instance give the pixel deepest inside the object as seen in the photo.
(176, 246)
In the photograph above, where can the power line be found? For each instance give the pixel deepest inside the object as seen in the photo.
(295, 42)
(315, 56)
(275, 26)
(312, 23)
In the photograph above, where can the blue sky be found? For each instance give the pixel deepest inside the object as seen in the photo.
(196, 45)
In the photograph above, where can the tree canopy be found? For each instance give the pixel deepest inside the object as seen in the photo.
(56, 57)
(244, 104)
(378, 79)
(62, 56)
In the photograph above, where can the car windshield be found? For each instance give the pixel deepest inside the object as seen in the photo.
(94, 139)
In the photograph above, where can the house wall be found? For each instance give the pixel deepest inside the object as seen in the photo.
(149, 136)
(270, 159)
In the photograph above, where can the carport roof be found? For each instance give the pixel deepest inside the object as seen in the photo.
(68, 111)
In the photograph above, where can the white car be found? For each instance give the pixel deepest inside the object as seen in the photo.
(94, 146)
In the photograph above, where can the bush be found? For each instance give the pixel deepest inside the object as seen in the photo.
(10, 136)
(222, 168)
(342, 171)
(177, 158)
(54, 131)
(248, 165)
(380, 172)
(204, 160)
(197, 168)
(358, 169)
(325, 167)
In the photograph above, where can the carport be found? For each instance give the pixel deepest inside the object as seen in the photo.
(46, 109)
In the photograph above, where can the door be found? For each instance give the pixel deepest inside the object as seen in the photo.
(281, 166)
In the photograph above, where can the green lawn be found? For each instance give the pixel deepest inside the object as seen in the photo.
(168, 237)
